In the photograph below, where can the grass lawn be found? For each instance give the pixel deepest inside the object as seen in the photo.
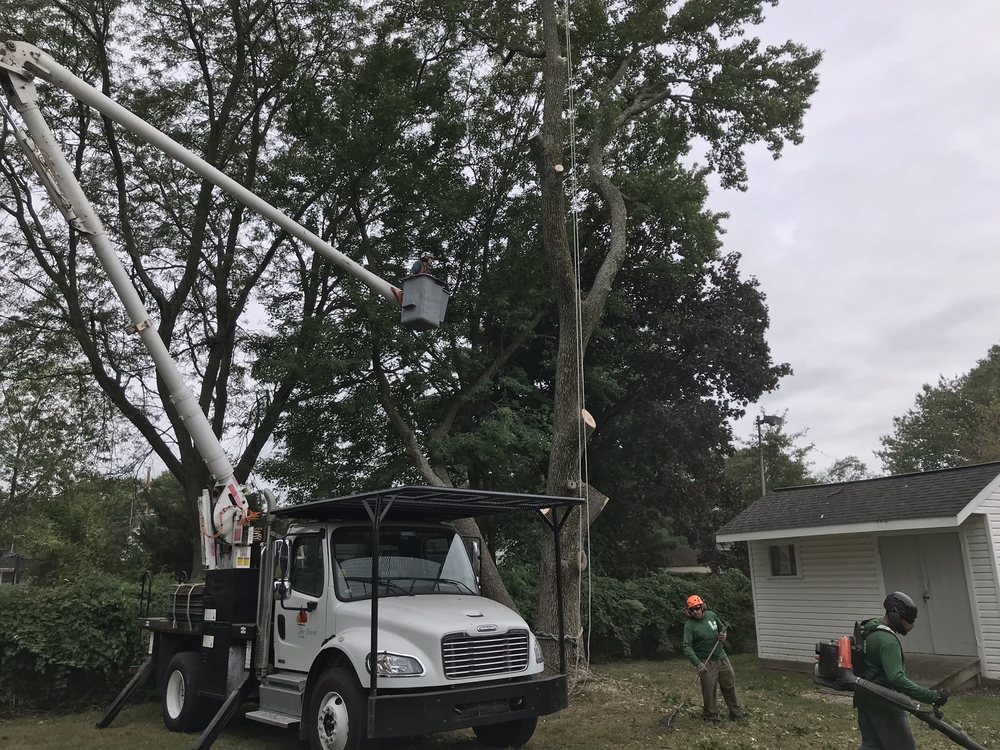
(620, 707)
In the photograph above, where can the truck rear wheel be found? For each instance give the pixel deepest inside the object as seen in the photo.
(183, 710)
(337, 712)
(507, 733)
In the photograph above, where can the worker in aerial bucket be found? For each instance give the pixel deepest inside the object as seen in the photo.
(882, 725)
(423, 264)
(704, 635)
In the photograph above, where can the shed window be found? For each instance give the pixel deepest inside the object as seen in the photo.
(783, 560)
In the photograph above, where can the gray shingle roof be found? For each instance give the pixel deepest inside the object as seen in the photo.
(930, 494)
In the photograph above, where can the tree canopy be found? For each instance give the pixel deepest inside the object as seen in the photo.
(953, 423)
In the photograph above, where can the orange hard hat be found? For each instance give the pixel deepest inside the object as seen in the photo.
(694, 600)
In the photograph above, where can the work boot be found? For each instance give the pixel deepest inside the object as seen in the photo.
(737, 715)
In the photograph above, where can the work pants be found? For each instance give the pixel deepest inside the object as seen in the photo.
(719, 672)
(885, 729)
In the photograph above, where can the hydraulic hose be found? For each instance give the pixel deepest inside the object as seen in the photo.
(931, 718)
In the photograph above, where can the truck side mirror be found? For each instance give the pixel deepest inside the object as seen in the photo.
(282, 589)
(473, 544)
(282, 586)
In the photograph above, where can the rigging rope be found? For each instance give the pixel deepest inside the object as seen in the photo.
(582, 464)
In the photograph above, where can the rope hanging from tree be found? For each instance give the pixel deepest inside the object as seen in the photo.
(582, 465)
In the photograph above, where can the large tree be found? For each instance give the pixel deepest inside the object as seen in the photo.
(258, 90)
(652, 79)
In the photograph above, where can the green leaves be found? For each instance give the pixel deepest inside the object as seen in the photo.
(69, 644)
(644, 617)
(953, 423)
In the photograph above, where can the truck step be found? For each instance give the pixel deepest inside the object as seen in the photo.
(273, 718)
(286, 680)
(281, 693)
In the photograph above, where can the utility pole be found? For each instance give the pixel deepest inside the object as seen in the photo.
(768, 419)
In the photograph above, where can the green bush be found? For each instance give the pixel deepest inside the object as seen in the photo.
(68, 645)
(645, 617)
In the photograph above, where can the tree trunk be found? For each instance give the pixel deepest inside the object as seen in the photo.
(563, 471)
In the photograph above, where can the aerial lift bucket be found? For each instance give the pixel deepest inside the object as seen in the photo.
(425, 300)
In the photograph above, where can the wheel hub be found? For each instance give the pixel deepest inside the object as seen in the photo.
(333, 723)
(175, 694)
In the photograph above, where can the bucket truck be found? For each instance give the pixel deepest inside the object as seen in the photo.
(363, 619)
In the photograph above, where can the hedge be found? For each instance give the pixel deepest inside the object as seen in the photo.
(68, 645)
(644, 617)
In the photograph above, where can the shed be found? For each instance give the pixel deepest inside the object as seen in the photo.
(823, 556)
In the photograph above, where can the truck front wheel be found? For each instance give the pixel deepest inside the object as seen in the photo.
(337, 712)
(183, 710)
(507, 733)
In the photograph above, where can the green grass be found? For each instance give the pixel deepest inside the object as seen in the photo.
(619, 707)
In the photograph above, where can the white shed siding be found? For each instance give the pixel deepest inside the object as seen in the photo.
(981, 570)
(982, 537)
(838, 581)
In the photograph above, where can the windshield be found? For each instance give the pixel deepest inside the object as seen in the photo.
(411, 562)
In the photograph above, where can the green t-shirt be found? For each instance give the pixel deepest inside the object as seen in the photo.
(885, 665)
(701, 635)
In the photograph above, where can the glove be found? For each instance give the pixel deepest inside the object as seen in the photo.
(942, 697)
(702, 669)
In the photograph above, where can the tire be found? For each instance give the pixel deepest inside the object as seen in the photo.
(507, 733)
(183, 709)
(337, 711)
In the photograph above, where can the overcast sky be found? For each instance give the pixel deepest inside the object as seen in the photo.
(877, 241)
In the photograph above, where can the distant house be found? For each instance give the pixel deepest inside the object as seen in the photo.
(684, 559)
(11, 568)
(823, 556)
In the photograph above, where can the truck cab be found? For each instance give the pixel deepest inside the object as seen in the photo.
(427, 587)
(446, 657)
(435, 632)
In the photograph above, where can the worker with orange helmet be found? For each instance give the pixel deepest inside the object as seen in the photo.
(704, 634)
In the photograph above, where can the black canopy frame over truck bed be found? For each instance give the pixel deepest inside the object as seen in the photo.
(419, 503)
(392, 714)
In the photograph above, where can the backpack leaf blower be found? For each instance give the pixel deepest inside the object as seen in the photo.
(835, 670)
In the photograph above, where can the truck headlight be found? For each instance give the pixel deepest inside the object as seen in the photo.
(539, 658)
(396, 665)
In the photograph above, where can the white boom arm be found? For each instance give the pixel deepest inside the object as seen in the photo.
(20, 63)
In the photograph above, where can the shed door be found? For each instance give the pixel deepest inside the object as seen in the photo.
(929, 568)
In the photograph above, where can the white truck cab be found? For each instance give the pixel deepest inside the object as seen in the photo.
(446, 657)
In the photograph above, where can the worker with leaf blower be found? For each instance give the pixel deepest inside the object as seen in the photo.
(882, 725)
(704, 635)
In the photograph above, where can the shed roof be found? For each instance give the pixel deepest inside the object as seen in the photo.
(904, 501)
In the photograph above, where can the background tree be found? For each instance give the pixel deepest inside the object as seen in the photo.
(849, 469)
(787, 463)
(953, 423)
(56, 428)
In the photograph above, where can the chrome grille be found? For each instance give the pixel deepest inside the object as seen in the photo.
(476, 656)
